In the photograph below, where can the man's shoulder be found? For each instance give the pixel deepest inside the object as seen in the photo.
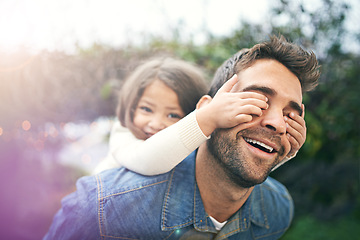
(276, 187)
(275, 194)
(104, 205)
(131, 205)
(272, 208)
(121, 180)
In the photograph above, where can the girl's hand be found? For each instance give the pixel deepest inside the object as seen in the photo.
(229, 108)
(296, 131)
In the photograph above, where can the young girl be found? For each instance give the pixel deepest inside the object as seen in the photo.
(156, 96)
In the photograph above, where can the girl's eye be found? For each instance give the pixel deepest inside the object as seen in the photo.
(174, 115)
(146, 109)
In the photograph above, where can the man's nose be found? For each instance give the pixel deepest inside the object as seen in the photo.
(273, 119)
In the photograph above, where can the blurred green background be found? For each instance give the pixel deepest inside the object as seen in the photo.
(55, 107)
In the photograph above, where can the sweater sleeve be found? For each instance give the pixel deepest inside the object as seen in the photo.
(122, 140)
(164, 150)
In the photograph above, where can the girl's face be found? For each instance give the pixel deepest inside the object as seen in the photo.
(157, 109)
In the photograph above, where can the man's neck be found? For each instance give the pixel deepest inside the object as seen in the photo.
(221, 197)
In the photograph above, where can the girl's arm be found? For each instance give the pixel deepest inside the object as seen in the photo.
(161, 152)
(119, 137)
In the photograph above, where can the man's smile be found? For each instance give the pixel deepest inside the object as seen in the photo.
(262, 146)
(262, 143)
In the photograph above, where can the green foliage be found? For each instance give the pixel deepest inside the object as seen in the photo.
(338, 107)
(314, 141)
(310, 228)
(106, 91)
(326, 190)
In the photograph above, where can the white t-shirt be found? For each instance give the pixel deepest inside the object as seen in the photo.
(218, 225)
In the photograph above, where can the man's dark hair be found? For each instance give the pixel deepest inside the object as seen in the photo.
(300, 62)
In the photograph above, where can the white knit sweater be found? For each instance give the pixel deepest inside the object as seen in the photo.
(156, 155)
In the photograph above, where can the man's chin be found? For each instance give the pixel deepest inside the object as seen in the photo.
(247, 181)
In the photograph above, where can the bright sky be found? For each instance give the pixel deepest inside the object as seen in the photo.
(59, 24)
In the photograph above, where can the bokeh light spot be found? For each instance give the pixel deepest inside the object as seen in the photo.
(26, 125)
(1, 131)
(53, 132)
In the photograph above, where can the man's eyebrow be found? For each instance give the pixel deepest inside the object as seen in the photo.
(265, 90)
(271, 92)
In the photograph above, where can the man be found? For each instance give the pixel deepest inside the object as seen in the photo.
(220, 191)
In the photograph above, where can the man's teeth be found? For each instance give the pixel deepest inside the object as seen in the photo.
(270, 149)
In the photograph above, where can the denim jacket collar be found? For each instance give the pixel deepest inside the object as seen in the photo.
(183, 204)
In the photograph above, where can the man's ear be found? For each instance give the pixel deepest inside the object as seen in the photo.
(204, 100)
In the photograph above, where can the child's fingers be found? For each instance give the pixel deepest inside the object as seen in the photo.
(236, 100)
(239, 115)
(295, 145)
(248, 98)
(255, 102)
(228, 85)
(296, 129)
(303, 113)
(242, 118)
(249, 110)
(245, 114)
(298, 136)
(296, 122)
(245, 95)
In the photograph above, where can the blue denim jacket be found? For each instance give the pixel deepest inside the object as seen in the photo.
(120, 204)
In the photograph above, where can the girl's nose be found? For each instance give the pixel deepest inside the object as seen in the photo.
(157, 123)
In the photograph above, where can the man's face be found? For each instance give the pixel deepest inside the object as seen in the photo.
(249, 151)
